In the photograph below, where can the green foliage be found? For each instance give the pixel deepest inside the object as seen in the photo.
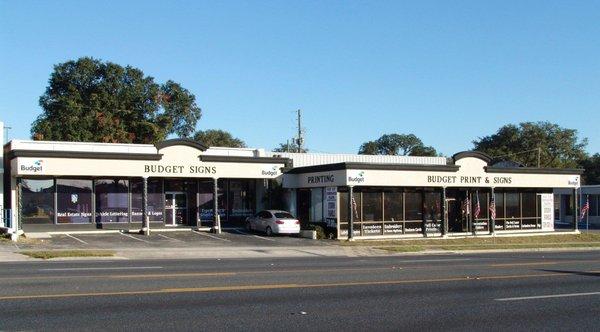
(397, 144)
(560, 147)
(592, 169)
(289, 147)
(93, 101)
(217, 137)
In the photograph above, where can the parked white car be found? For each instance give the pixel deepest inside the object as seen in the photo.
(273, 222)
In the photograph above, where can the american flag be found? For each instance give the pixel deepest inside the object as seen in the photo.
(477, 207)
(585, 208)
(493, 208)
(354, 210)
(466, 208)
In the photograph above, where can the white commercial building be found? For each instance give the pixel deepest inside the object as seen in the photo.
(58, 186)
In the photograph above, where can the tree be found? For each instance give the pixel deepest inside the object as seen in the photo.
(397, 145)
(558, 147)
(217, 137)
(93, 101)
(289, 147)
(591, 165)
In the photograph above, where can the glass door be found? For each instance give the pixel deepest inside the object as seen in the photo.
(176, 208)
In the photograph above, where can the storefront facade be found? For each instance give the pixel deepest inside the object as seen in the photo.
(56, 186)
(381, 200)
(61, 186)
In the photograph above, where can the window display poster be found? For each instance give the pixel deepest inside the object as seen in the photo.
(547, 211)
(331, 206)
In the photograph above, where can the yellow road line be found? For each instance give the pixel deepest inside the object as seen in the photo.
(275, 286)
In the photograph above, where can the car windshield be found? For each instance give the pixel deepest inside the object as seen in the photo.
(283, 215)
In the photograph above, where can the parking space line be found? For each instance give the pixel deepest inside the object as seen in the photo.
(133, 237)
(211, 236)
(260, 237)
(169, 238)
(77, 239)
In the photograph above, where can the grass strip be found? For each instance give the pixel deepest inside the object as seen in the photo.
(48, 254)
(566, 239)
(409, 248)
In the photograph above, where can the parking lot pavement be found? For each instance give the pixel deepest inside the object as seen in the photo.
(185, 239)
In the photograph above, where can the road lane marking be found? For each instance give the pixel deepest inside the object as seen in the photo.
(133, 237)
(547, 296)
(523, 264)
(211, 236)
(102, 268)
(74, 238)
(169, 238)
(173, 275)
(273, 286)
(260, 237)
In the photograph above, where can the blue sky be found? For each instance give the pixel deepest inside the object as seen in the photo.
(447, 71)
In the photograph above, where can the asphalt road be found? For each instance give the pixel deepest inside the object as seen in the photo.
(516, 291)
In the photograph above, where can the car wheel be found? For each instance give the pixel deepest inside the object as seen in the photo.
(249, 227)
(269, 231)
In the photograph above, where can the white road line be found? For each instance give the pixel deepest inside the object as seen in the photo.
(74, 238)
(170, 238)
(212, 236)
(260, 237)
(104, 268)
(133, 237)
(433, 260)
(547, 296)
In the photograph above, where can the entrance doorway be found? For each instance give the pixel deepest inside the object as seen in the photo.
(457, 221)
(176, 208)
(303, 205)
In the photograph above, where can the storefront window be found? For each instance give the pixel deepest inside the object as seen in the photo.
(372, 208)
(74, 201)
(343, 206)
(499, 197)
(513, 208)
(568, 204)
(38, 201)
(112, 200)
(155, 200)
(241, 198)
(413, 206)
(593, 205)
(433, 208)
(393, 206)
(316, 205)
(483, 204)
(529, 205)
(205, 199)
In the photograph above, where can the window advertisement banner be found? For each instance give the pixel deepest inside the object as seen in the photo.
(331, 206)
(547, 202)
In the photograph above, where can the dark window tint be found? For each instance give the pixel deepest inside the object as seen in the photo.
(112, 200)
(413, 206)
(499, 205)
(372, 206)
(74, 201)
(38, 201)
(393, 206)
(155, 200)
(513, 208)
(529, 205)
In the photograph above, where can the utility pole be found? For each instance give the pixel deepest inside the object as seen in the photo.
(539, 156)
(300, 138)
